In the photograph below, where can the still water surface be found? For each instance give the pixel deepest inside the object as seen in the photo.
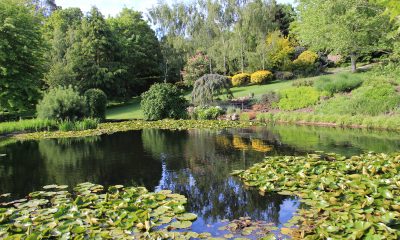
(195, 163)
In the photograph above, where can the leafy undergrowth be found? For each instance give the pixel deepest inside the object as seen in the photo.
(109, 128)
(346, 198)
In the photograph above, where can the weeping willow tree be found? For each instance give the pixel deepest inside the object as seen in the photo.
(209, 86)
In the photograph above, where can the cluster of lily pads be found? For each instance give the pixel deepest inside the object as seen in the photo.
(91, 212)
(345, 198)
(109, 128)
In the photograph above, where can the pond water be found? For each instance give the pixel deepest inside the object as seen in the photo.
(195, 163)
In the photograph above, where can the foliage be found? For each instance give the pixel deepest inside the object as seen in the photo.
(297, 98)
(163, 100)
(84, 213)
(285, 75)
(326, 183)
(306, 57)
(21, 55)
(209, 86)
(196, 67)
(34, 125)
(270, 99)
(303, 83)
(260, 77)
(306, 63)
(207, 113)
(240, 79)
(341, 26)
(139, 53)
(370, 99)
(279, 50)
(96, 101)
(338, 83)
(61, 104)
(85, 124)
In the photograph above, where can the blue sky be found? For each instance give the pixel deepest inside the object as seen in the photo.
(112, 7)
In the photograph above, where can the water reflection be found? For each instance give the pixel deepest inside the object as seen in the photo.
(196, 163)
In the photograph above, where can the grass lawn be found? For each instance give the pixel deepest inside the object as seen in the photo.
(131, 110)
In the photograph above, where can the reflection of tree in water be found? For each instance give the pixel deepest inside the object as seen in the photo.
(203, 175)
(115, 159)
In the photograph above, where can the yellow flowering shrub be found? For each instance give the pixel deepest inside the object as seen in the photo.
(240, 79)
(260, 77)
(307, 57)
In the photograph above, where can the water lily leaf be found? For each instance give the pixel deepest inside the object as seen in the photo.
(181, 224)
(187, 217)
(53, 186)
(228, 236)
(386, 193)
(269, 237)
(78, 229)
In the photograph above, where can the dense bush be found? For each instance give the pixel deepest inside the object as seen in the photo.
(240, 79)
(163, 100)
(297, 98)
(61, 104)
(96, 101)
(280, 50)
(208, 86)
(306, 64)
(260, 77)
(284, 75)
(372, 98)
(207, 113)
(338, 83)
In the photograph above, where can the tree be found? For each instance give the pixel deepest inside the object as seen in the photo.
(209, 86)
(21, 55)
(94, 55)
(347, 27)
(278, 50)
(196, 67)
(140, 53)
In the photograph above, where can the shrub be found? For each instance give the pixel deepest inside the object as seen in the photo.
(207, 113)
(297, 98)
(270, 99)
(260, 77)
(305, 64)
(240, 79)
(306, 57)
(61, 104)
(163, 100)
(279, 51)
(284, 75)
(96, 101)
(339, 83)
(209, 86)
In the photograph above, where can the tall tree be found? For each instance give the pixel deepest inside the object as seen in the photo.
(21, 55)
(94, 55)
(347, 27)
(140, 52)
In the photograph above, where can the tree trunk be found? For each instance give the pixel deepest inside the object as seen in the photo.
(353, 58)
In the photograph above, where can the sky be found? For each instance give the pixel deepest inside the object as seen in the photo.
(113, 7)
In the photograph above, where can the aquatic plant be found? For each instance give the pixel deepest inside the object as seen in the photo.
(93, 212)
(346, 198)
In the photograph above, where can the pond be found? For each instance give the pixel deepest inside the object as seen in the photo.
(195, 163)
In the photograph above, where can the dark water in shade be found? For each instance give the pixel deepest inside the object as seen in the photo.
(195, 163)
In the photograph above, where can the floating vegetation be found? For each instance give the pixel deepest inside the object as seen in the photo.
(346, 198)
(109, 128)
(90, 212)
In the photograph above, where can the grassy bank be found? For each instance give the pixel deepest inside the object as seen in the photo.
(358, 121)
(31, 125)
